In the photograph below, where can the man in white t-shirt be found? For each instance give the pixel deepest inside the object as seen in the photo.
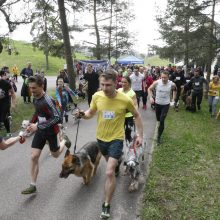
(163, 87)
(136, 83)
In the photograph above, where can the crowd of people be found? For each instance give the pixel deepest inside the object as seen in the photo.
(116, 95)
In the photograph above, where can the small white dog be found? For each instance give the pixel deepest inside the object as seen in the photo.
(24, 125)
(133, 158)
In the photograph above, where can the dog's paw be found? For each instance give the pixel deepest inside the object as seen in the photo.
(133, 186)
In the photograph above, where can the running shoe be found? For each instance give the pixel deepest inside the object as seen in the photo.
(105, 211)
(31, 189)
(8, 135)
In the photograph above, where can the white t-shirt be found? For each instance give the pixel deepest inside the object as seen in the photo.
(136, 81)
(163, 92)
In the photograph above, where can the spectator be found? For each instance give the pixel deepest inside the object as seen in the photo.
(5, 102)
(93, 81)
(15, 72)
(213, 95)
(25, 92)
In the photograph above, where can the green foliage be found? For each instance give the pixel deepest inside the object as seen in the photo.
(184, 177)
(46, 29)
(185, 28)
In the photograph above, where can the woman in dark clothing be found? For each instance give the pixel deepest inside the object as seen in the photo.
(93, 81)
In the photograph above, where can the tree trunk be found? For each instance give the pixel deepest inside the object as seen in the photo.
(98, 49)
(110, 33)
(210, 53)
(46, 42)
(186, 58)
(47, 60)
(67, 46)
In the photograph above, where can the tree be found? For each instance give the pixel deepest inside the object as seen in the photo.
(46, 29)
(6, 8)
(110, 26)
(184, 29)
(67, 45)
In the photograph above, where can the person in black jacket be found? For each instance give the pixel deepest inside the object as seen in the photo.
(26, 73)
(178, 78)
(196, 83)
(93, 81)
(7, 99)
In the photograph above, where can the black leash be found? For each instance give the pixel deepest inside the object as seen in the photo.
(77, 130)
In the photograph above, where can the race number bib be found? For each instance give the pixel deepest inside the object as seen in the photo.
(178, 78)
(108, 114)
(197, 83)
(41, 119)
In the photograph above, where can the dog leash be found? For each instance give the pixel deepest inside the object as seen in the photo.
(77, 130)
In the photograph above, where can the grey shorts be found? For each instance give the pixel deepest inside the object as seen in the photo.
(112, 149)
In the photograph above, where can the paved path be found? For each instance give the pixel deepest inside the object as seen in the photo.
(65, 199)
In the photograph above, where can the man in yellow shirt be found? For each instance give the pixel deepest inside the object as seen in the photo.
(111, 106)
(15, 72)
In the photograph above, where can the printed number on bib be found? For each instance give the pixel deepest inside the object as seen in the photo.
(108, 114)
(41, 119)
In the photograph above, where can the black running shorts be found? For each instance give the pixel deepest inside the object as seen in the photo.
(40, 139)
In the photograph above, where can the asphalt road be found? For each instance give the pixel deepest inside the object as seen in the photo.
(59, 199)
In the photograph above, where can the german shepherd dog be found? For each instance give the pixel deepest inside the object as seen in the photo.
(83, 164)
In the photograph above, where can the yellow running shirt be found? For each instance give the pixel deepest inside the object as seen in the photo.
(131, 94)
(111, 115)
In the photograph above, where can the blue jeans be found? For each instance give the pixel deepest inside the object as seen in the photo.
(213, 101)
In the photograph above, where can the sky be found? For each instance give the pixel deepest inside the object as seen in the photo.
(144, 26)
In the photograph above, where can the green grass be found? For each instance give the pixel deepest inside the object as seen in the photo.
(185, 170)
(156, 61)
(36, 57)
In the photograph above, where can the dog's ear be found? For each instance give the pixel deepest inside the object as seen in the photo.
(76, 160)
(67, 153)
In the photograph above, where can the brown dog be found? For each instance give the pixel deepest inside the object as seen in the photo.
(83, 164)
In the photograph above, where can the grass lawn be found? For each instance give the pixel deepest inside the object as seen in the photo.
(184, 180)
(36, 57)
(156, 61)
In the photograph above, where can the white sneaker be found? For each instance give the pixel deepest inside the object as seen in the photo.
(8, 135)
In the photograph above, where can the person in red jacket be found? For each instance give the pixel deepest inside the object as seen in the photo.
(148, 80)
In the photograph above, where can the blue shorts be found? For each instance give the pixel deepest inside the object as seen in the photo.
(112, 149)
